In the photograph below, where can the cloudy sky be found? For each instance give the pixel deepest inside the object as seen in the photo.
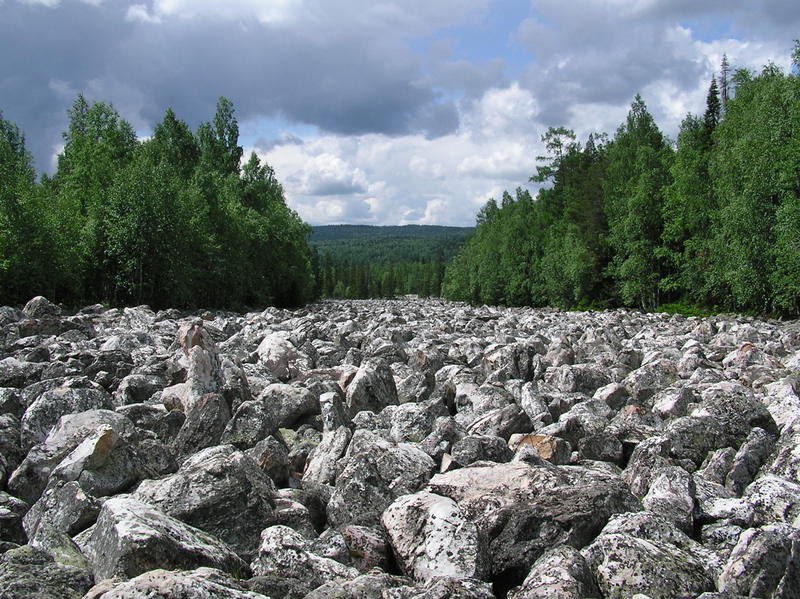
(381, 112)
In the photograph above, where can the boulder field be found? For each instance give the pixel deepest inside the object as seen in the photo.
(405, 449)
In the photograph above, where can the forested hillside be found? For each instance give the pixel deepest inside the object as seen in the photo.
(171, 221)
(361, 261)
(711, 222)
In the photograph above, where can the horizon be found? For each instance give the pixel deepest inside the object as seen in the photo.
(392, 114)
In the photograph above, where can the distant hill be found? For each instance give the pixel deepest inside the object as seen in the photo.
(360, 261)
(324, 233)
(384, 245)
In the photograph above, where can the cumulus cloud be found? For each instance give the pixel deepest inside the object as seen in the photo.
(381, 112)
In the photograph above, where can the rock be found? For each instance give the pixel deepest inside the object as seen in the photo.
(202, 583)
(284, 552)
(44, 413)
(322, 465)
(526, 509)
(784, 462)
(748, 460)
(640, 553)
(444, 588)
(672, 496)
(11, 402)
(554, 450)
(132, 537)
(577, 378)
(602, 447)
(408, 423)
(362, 587)
(287, 404)
(204, 376)
(64, 507)
(560, 572)
(204, 425)
(12, 511)
(220, 491)
(39, 307)
(475, 448)
(372, 388)
(366, 547)
(375, 472)
(431, 538)
(272, 457)
(764, 563)
(278, 355)
(137, 388)
(29, 573)
(501, 422)
(30, 479)
(279, 586)
(774, 500)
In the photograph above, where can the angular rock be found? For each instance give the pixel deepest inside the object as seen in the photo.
(30, 479)
(375, 473)
(220, 491)
(202, 583)
(672, 496)
(560, 572)
(284, 552)
(475, 448)
(641, 553)
(204, 425)
(44, 413)
(132, 537)
(12, 511)
(431, 538)
(29, 573)
(764, 563)
(372, 388)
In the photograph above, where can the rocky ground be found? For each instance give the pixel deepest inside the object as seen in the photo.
(403, 449)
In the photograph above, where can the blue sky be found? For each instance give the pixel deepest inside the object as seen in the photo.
(391, 112)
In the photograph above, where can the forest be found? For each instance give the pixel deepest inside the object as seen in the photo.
(177, 220)
(709, 223)
(361, 261)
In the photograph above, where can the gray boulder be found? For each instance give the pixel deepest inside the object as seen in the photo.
(432, 538)
(45, 411)
(560, 572)
(30, 479)
(219, 490)
(764, 563)
(372, 388)
(284, 552)
(29, 573)
(132, 537)
(375, 472)
(642, 553)
(202, 583)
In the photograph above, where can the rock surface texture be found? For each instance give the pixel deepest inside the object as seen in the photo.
(405, 449)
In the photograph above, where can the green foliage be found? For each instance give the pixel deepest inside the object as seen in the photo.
(383, 261)
(172, 221)
(633, 222)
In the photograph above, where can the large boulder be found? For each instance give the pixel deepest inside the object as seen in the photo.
(29, 573)
(431, 538)
(524, 510)
(30, 479)
(373, 387)
(642, 553)
(219, 490)
(45, 411)
(132, 537)
(202, 583)
(375, 472)
(284, 552)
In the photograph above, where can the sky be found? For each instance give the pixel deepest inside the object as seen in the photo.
(381, 112)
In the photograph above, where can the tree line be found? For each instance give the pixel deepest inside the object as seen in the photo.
(173, 220)
(710, 222)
